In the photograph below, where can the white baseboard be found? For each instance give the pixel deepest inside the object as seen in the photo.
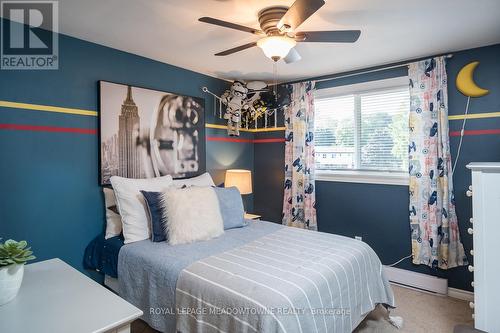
(417, 280)
(464, 295)
(425, 282)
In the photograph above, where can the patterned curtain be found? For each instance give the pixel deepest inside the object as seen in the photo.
(434, 226)
(299, 200)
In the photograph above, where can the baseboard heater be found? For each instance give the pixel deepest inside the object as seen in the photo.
(417, 280)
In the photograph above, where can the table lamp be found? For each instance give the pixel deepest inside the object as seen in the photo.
(240, 178)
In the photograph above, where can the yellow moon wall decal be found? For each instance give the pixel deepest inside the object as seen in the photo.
(465, 81)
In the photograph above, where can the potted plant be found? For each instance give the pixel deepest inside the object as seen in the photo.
(13, 256)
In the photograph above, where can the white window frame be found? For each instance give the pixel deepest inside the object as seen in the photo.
(361, 176)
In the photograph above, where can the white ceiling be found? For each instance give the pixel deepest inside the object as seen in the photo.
(391, 30)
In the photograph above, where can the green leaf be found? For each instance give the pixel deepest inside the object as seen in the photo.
(10, 242)
(12, 252)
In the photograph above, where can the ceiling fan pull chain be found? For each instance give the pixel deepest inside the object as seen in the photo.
(275, 88)
(275, 79)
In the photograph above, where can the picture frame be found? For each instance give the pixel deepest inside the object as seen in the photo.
(147, 133)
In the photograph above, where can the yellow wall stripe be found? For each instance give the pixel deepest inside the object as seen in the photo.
(269, 129)
(250, 130)
(82, 112)
(475, 116)
(47, 108)
(215, 126)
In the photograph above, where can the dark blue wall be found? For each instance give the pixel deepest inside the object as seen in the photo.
(49, 181)
(231, 155)
(475, 148)
(269, 160)
(379, 213)
(50, 194)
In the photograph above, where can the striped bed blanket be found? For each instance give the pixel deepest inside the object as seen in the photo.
(289, 280)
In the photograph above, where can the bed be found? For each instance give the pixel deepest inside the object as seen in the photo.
(261, 278)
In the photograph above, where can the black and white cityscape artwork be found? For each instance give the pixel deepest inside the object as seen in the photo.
(148, 133)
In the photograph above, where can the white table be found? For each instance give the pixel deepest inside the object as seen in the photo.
(54, 297)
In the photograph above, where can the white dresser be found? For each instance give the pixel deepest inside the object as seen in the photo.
(56, 298)
(485, 228)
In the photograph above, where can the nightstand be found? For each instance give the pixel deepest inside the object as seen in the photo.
(56, 298)
(249, 216)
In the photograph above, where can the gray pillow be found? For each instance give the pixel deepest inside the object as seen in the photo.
(231, 207)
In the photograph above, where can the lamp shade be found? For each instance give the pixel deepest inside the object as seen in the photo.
(240, 178)
(276, 46)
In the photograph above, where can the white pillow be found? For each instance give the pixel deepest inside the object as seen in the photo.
(191, 214)
(132, 205)
(201, 180)
(113, 220)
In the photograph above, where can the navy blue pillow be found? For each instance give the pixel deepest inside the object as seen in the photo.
(153, 201)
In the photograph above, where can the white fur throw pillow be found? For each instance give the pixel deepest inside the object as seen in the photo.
(191, 214)
(132, 205)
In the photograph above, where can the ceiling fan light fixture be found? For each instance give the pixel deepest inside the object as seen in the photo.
(276, 47)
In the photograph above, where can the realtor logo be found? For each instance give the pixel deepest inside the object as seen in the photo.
(29, 38)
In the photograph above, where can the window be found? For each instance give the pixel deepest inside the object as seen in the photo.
(361, 132)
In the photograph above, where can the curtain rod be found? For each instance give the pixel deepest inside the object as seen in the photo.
(333, 77)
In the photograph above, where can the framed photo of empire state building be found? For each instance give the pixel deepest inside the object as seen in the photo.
(148, 133)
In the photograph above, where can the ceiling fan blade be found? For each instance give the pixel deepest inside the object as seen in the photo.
(339, 36)
(236, 49)
(292, 56)
(230, 25)
(298, 13)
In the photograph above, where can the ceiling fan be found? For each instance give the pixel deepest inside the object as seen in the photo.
(278, 25)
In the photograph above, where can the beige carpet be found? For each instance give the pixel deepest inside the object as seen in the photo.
(421, 312)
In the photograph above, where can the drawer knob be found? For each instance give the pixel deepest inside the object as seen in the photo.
(471, 305)
(471, 220)
(470, 231)
(468, 193)
(472, 284)
(471, 268)
(471, 252)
